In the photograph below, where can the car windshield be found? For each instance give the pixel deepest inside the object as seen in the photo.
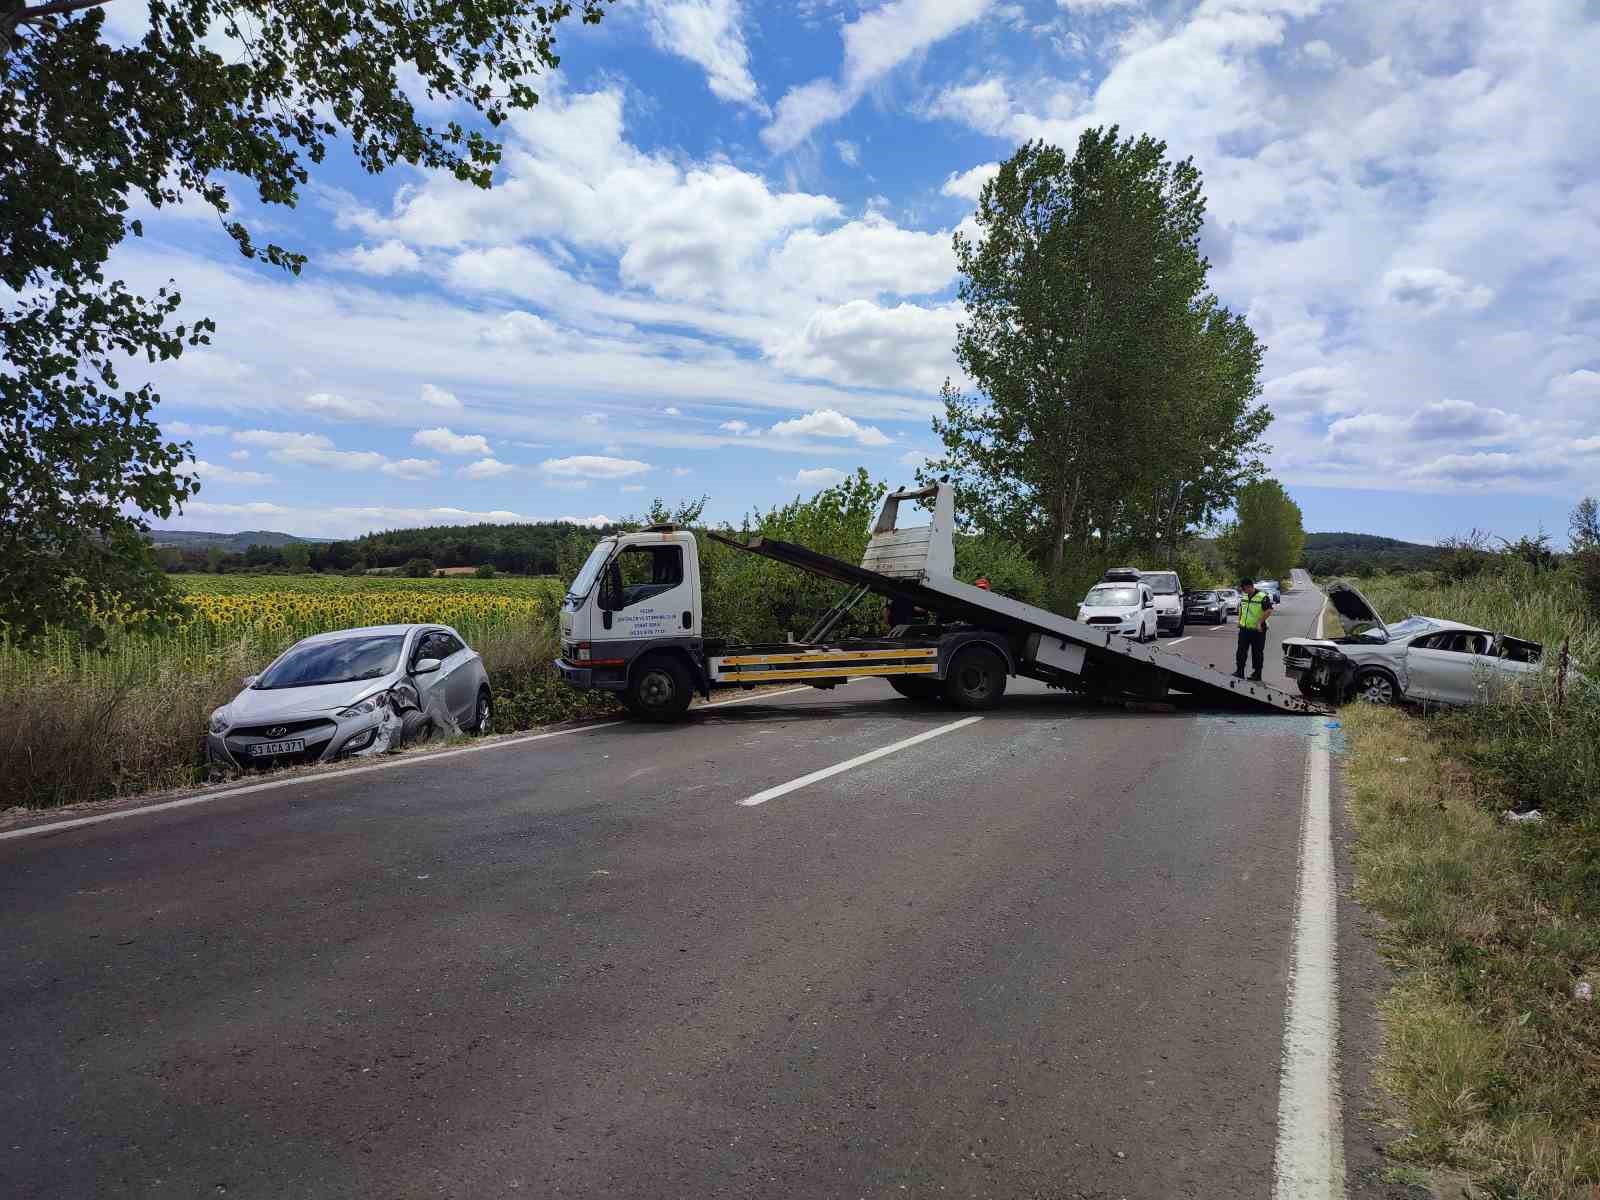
(1111, 596)
(344, 661)
(591, 570)
(1202, 597)
(1410, 627)
(1163, 583)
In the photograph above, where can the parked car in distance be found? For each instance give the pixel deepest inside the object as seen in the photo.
(1419, 658)
(353, 692)
(1168, 591)
(1126, 607)
(1206, 607)
(1230, 599)
(1271, 587)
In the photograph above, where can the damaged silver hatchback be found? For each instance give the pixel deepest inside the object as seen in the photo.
(353, 692)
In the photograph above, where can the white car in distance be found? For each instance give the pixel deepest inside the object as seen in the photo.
(1419, 658)
(1122, 606)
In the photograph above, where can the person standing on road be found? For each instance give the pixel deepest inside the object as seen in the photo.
(1254, 607)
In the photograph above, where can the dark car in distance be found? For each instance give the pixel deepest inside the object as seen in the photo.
(1206, 607)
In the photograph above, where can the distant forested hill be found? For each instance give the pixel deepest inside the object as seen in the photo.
(533, 548)
(523, 549)
(1363, 554)
(229, 543)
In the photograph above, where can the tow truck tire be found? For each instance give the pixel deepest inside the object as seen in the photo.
(914, 687)
(659, 690)
(977, 679)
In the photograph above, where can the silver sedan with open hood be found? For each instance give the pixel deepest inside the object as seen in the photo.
(1419, 658)
(356, 691)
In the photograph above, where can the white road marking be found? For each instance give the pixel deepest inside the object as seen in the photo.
(387, 764)
(1180, 641)
(1309, 1161)
(783, 789)
(271, 785)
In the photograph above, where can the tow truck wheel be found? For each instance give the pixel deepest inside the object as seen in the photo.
(659, 690)
(977, 679)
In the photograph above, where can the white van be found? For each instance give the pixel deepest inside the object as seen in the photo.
(1124, 606)
(1168, 590)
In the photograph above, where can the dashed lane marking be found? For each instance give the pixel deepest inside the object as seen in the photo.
(783, 789)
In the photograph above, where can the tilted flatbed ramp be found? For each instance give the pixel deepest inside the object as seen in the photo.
(955, 600)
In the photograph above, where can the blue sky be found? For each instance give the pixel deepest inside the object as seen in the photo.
(718, 260)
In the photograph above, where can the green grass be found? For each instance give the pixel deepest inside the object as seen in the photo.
(1491, 924)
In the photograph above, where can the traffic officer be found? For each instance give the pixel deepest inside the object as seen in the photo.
(1253, 609)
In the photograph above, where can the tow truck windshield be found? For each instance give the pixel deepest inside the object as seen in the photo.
(591, 570)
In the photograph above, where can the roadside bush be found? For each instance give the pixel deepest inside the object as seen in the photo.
(1005, 564)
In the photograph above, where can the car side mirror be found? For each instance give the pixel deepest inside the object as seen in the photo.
(425, 666)
(249, 681)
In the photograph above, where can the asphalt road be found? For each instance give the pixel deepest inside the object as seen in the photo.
(1043, 954)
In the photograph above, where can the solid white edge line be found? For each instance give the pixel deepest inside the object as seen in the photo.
(271, 785)
(783, 789)
(323, 776)
(1308, 1163)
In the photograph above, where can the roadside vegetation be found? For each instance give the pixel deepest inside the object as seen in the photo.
(83, 720)
(1494, 926)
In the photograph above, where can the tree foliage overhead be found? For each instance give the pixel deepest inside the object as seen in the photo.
(88, 129)
(1266, 537)
(1116, 399)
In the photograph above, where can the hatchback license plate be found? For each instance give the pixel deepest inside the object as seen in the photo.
(268, 749)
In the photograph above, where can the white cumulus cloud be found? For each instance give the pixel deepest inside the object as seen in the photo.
(485, 468)
(437, 397)
(817, 478)
(593, 466)
(445, 441)
(825, 422)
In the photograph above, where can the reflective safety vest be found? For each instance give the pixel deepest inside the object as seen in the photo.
(1252, 609)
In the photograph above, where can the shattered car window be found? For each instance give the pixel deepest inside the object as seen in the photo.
(343, 661)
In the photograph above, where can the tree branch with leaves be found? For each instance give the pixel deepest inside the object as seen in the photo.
(88, 128)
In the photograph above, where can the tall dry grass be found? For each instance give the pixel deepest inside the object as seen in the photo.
(1493, 924)
(134, 721)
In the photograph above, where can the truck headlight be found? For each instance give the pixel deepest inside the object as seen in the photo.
(371, 704)
(219, 720)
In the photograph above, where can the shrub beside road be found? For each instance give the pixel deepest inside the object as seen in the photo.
(1493, 926)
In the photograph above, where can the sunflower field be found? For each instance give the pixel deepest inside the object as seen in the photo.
(81, 724)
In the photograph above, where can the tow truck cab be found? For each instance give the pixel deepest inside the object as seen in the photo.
(636, 591)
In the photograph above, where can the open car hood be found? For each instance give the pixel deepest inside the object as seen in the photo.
(1353, 608)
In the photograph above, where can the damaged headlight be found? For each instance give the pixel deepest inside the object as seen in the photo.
(371, 704)
(219, 720)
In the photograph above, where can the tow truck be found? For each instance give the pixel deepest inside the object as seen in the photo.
(631, 623)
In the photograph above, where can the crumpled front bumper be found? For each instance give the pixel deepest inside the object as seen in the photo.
(348, 737)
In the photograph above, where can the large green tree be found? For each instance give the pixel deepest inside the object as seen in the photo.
(218, 93)
(1266, 537)
(1116, 401)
